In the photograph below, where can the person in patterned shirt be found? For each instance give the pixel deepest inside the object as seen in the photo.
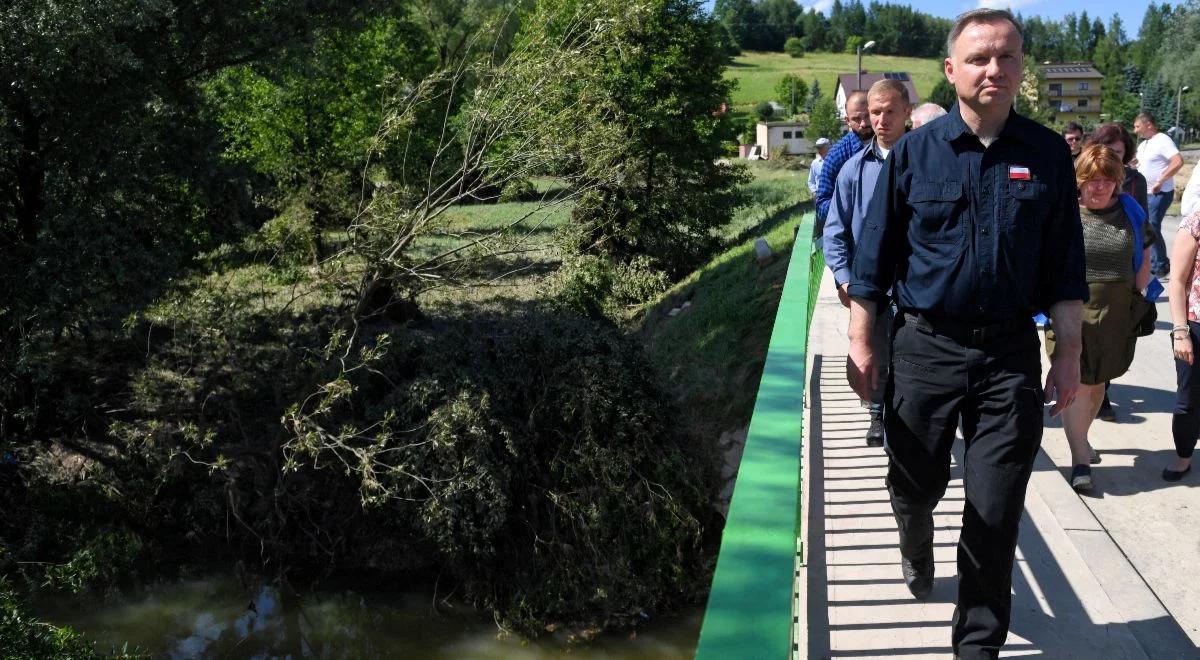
(859, 123)
(1184, 292)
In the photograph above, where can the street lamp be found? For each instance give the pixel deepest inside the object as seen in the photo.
(1178, 98)
(859, 73)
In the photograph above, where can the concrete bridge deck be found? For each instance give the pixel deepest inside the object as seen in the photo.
(1104, 576)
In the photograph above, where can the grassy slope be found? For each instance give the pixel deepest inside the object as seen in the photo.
(758, 73)
(711, 355)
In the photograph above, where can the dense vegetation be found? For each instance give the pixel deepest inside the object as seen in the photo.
(310, 287)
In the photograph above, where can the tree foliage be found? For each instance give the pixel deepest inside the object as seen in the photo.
(823, 120)
(657, 90)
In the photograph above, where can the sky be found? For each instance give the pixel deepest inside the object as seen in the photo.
(1131, 12)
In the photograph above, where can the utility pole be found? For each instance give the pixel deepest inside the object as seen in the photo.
(1178, 99)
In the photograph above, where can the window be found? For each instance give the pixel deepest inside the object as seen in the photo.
(1055, 89)
(787, 135)
(1082, 103)
(1083, 87)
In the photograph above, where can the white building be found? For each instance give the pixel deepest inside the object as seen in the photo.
(771, 135)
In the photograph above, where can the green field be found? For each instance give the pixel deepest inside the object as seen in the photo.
(757, 73)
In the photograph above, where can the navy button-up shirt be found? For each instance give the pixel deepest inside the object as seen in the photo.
(974, 234)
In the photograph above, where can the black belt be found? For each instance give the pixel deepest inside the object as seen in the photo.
(967, 332)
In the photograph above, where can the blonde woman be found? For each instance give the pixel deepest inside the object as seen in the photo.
(1116, 243)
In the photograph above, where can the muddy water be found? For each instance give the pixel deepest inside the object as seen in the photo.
(220, 618)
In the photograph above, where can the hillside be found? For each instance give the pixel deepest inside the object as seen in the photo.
(757, 73)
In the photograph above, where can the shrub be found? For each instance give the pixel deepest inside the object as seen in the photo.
(794, 46)
(537, 459)
(518, 190)
(763, 110)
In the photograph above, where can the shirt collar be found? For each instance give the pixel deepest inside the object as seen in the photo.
(1016, 127)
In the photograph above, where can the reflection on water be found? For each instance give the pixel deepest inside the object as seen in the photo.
(218, 618)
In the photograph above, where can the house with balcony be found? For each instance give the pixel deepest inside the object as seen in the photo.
(1071, 91)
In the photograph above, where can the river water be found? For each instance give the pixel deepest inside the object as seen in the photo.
(221, 618)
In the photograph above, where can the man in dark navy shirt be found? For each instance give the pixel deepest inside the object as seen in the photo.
(975, 227)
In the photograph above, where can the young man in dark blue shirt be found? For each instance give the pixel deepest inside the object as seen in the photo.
(975, 227)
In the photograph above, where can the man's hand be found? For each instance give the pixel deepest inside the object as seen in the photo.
(1062, 383)
(844, 294)
(1156, 187)
(861, 370)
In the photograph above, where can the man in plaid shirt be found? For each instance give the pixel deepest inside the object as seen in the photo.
(860, 134)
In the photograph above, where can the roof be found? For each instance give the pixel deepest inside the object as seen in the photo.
(847, 81)
(1056, 70)
(775, 124)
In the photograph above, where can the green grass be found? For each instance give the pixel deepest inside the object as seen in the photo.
(758, 73)
(711, 354)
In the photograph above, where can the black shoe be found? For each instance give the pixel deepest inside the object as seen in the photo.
(875, 433)
(1172, 475)
(918, 579)
(1081, 478)
(1106, 411)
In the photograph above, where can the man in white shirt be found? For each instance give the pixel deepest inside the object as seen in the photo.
(1158, 160)
(814, 170)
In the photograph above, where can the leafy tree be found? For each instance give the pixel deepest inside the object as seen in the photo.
(943, 94)
(823, 120)
(658, 81)
(1181, 62)
(794, 46)
(764, 111)
(792, 91)
(307, 118)
(853, 42)
(778, 22)
(743, 19)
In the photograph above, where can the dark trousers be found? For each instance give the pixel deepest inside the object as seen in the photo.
(990, 384)
(1159, 203)
(1185, 423)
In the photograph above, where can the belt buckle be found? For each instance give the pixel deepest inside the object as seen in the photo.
(978, 334)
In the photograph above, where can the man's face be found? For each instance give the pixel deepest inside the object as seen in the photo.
(1142, 128)
(857, 117)
(1074, 141)
(888, 113)
(985, 65)
(823, 150)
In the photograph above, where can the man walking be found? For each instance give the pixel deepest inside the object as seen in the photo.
(1158, 161)
(974, 225)
(860, 131)
(814, 170)
(888, 107)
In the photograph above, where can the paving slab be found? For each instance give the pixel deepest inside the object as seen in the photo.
(1077, 594)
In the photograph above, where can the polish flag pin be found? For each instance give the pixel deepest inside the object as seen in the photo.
(1018, 173)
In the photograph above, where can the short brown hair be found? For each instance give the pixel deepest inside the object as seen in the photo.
(1146, 117)
(888, 85)
(981, 15)
(1113, 132)
(1097, 161)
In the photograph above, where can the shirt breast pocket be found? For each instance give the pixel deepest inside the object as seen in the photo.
(937, 207)
(1029, 204)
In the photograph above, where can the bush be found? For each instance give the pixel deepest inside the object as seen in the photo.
(535, 457)
(518, 190)
(763, 110)
(23, 637)
(594, 286)
(794, 46)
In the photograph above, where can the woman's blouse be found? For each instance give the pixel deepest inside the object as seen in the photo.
(1108, 243)
(1191, 224)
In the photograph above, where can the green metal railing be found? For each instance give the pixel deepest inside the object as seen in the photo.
(750, 607)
